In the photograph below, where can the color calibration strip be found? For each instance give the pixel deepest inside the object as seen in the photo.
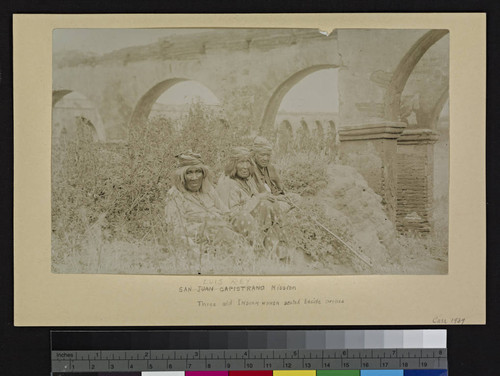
(435, 372)
(234, 353)
(249, 339)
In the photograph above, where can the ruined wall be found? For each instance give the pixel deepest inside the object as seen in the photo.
(311, 120)
(369, 57)
(400, 142)
(427, 88)
(415, 165)
(65, 114)
(368, 139)
(242, 68)
(372, 150)
(250, 71)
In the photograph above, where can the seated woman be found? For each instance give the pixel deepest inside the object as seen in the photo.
(194, 211)
(253, 209)
(266, 174)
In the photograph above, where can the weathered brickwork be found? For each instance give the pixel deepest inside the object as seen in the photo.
(398, 164)
(415, 174)
(414, 193)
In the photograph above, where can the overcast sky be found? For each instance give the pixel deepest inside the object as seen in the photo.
(101, 41)
(316, 92)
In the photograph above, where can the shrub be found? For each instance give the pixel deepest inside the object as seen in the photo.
(303, 173)
(104, 193)
(126, 182)
(305, 233)
(108, 203)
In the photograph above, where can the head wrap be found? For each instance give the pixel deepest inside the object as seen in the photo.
(184, 162)
(236, 155)
(188, 158)
(239, 153)
(260, 144)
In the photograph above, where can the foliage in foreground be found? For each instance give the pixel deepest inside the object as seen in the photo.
(108, 205)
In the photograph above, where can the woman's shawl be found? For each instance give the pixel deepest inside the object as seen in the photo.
(268, 176)
(188, 213)
(237, 194)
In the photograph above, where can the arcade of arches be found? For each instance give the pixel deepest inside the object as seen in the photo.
(392, 86)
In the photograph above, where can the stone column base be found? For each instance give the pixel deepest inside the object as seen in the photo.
(371, 149)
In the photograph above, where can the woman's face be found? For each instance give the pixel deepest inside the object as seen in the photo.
(243, 169)
(194, 178)
(262, 158)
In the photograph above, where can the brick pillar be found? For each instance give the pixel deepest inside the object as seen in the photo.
(371, 149)
(415, 180)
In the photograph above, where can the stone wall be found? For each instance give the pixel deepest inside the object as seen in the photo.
(415, 174)
(371, 149)
(251, 71)
(405, 71)
(369, 57)
(247, 70)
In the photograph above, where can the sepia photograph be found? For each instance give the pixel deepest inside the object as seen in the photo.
(223, 151)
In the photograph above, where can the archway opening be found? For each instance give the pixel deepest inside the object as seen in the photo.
(332, 135)
(319, 132)
(304, 127)
(393, 96)
(171, 100)
(303, 136)
(310, 100)
(284, 137)
(422, 79)
(71, 111)
(175, 102)
(177, 115)
(313, 90)
(426, 89)
(319, 135)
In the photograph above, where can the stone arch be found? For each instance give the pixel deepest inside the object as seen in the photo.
(285, 136)
(333, 126)
(434, 117)
(332, 132)
(88, 123)
(145, 104)
(143, 107)
(61, 132)
(400, 76)
(57, 95)
(93, 116)
(286, 127)
(304, 127)
(320, 133)
(279, 93)
(331, 140)
(303, 135)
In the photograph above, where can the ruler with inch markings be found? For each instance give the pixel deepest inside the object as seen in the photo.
(146, 355)
(245, 359)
